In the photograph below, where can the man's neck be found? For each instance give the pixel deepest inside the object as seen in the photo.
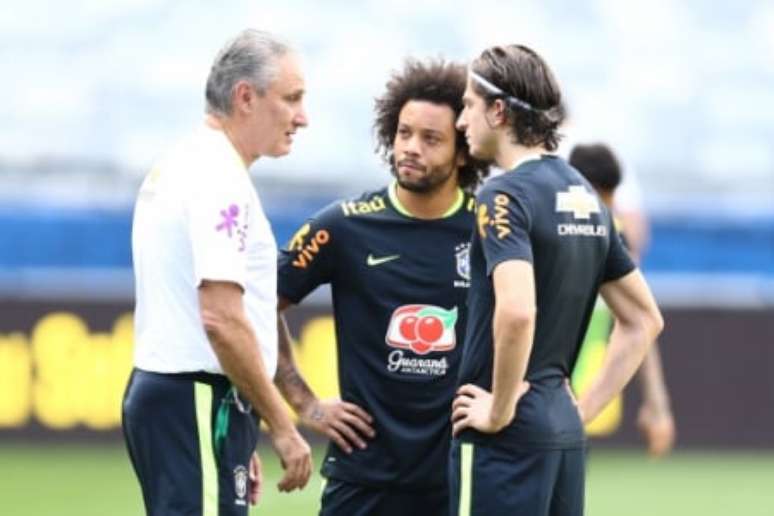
(607, 198)
(511, 154)
(431, 205)
(226, 127)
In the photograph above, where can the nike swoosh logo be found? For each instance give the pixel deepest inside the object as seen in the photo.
(372, 261)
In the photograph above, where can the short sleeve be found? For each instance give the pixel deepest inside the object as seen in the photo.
(503, 225)
(218, 214)
(308, 260)
(618, 262)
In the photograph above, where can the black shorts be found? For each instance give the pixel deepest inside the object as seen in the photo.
(493, 481)
(190, 439)
(341, 498)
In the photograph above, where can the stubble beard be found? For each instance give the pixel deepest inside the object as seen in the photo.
(428, 183)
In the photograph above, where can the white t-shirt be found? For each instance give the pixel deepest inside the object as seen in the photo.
(198, 218)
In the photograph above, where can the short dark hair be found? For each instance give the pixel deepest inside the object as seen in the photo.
(598, 165)
(435, 81)
(528, 88)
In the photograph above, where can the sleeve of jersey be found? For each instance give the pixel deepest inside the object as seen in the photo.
(618, 263)
(503, 225)
(308, 259)
(217, 228)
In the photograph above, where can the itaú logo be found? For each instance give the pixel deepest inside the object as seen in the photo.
(422, 328)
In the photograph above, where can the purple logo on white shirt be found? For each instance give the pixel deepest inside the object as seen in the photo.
(229, 224)
(229, 219)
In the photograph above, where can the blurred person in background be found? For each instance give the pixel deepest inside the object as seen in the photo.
(397, 262)
(205, 319)
(599, 165)
(542, 250)
(628, 195)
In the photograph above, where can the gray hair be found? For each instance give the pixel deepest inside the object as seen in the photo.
(251, 56)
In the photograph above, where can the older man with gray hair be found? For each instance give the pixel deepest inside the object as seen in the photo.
(205, 320)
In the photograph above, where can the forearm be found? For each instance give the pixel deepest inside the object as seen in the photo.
(512, 348)
(625, 352)
(651, 376)
(237, 350)
(288, 379)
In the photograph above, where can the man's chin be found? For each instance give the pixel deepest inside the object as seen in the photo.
(415, 185)
(279, 152)
(480, 154)
(476, 153)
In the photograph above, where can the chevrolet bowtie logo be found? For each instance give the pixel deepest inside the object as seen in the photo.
(372, 261)
(578, 201)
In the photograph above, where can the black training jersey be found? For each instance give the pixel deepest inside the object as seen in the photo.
(399, 286)
(546, 213)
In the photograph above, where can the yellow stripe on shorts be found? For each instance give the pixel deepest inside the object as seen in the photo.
(323, 485)
(203, 402)
(466, 478)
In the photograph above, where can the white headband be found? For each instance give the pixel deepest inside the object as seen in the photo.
(494, 90)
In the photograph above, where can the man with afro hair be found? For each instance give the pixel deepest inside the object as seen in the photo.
(397, 262)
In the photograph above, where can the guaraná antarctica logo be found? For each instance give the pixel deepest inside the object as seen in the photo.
(421, 329)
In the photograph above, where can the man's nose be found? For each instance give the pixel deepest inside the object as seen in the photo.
(412, 145)
(301, 120)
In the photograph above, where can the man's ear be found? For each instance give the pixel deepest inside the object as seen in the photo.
(500, 111)
(244, 97)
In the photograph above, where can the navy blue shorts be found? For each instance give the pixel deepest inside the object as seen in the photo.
(190, 439)
(341, 498)
(493, 481)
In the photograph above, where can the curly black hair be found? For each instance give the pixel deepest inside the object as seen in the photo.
(517, 70)
(435, 81)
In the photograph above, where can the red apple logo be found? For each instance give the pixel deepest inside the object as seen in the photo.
(422, 328)
(408, 327)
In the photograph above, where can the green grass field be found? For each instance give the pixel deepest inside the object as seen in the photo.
(69, 480)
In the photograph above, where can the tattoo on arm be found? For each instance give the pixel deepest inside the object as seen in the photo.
(293, 386)
(287, 378)
(317, 414)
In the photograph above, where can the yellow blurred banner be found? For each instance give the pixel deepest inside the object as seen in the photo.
(63, 375)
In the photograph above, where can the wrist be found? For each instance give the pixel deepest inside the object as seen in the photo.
(306, 406)
(499, 419)
(282, 425)
(657, 406)
(654, 410)
(311, 413)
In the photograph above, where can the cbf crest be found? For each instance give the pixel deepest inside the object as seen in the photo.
(240, 484)
(462, 257)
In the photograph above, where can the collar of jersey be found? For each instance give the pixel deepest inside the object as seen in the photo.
(525, 159)
(234, 154)
(392, 192)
